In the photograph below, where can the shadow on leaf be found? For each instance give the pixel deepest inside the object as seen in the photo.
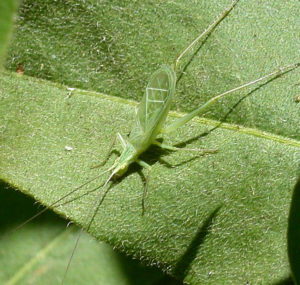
(294, 234)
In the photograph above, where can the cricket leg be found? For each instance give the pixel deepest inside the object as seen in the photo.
(180, 122)
(207, 31)
(173, 148)
(148, 167)
(123, 142)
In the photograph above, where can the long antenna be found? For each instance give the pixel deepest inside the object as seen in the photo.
(93, 210)
(178, 123)
(57, 201)
(207, 31)
(275, 73)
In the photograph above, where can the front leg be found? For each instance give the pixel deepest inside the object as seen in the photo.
(123, 142)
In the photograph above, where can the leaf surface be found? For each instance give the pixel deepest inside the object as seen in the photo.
(113, 47)
(7, 9)
(228, 209)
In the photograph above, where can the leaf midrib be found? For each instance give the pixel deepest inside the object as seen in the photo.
(201, 120)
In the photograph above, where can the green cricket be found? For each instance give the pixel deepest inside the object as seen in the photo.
(150, 120)
(153, 111)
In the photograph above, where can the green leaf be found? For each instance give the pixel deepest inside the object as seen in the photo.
(39, 252)
(294, 234)
(7, 9)
(114, 46)
(207, 218)
(214, 219)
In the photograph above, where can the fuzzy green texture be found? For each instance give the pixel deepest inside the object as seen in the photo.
(114, 46)
(214, 219)
(7, 10)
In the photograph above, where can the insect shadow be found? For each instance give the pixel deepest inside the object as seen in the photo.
(153, 155)
(186, 65)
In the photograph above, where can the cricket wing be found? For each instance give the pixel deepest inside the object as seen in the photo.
(155, 104)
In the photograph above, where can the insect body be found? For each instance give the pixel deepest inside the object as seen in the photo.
(155, 105)
(153, 110)
(151, 115)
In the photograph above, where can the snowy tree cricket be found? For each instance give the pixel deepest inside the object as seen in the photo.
(150, 120)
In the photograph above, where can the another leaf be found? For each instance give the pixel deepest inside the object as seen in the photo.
(39, 252)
